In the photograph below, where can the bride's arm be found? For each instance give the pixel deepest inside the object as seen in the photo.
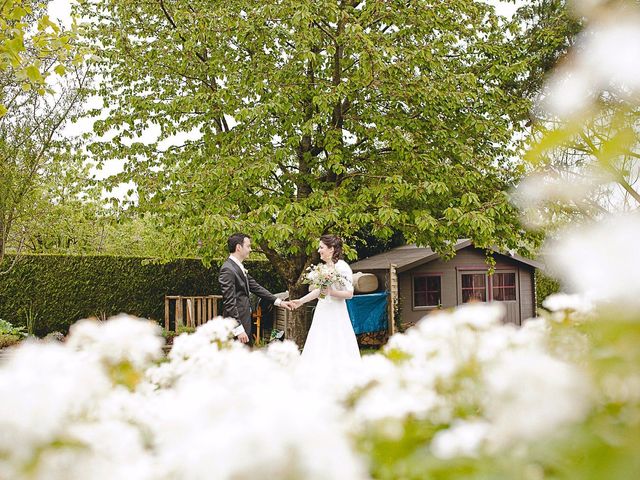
(345, 271)
(312, 295)
(346, 294)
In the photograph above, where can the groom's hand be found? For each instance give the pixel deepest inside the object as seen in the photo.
(287, 305)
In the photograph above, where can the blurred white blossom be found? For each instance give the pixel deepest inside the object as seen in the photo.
(120, 339)
(539, 193)
(463, 439)
(564, 302)
(45, 387)
(531, 394)
(599, 260)
(284, 353)
(607, 59)
(215, 409)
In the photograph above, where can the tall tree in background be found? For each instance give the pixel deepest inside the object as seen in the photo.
(33, 112)
(312, 117)
(543, 30)
(32, 47)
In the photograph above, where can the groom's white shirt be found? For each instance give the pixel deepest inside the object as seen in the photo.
(240, 329)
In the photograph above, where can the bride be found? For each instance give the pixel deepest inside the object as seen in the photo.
(331, 347)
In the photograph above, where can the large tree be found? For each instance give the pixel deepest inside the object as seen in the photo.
(40, 89)
(311, 117)
(33, 155)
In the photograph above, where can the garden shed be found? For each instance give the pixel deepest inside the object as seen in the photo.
(427, 282)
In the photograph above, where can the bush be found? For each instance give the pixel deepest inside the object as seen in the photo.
(6, 328)
(6, 340)
(545, 286)
(61, 289)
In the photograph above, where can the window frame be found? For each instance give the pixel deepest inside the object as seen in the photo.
(413, 291)
(461, 289)
(515, 285)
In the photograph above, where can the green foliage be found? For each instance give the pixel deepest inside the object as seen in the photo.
(6, 328)
(545, 286)
(383, 116)
(544, 32)
(9, 334)
(63, 289)
(36, 54)
(32, 46)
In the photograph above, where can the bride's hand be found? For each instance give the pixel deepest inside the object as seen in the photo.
(325, 291)
(295, 304)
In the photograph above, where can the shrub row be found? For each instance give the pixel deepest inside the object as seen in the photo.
(545, 286)
(58, 290)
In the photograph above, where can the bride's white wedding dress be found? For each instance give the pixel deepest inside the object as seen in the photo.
(331, 349)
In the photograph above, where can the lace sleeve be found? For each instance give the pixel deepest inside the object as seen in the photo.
(347, 275)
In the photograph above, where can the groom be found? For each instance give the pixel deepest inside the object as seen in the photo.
(236, 284)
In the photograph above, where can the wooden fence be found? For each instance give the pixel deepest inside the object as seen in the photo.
(190, 311)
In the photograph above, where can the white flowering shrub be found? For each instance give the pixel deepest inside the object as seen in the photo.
(460, 395)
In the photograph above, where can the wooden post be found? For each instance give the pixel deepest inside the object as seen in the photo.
(166, 313)
(190, 320)
(178, 312)
(258, 321)
(393, 297)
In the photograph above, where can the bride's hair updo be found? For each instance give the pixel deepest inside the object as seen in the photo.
(335, 242)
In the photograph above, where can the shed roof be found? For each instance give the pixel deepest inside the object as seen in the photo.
(407, 257)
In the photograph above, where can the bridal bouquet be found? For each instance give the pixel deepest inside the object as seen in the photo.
(322, 275)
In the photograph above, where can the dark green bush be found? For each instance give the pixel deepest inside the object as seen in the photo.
(545, 286)
(61, 289)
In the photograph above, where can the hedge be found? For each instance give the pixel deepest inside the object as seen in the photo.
(61, 289)
(545, 286)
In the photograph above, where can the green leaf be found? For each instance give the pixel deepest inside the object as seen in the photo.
(33, 74)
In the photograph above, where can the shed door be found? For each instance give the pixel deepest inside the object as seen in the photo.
(502, 286)
(504, 289)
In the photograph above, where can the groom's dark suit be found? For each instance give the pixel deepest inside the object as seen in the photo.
(235, 294)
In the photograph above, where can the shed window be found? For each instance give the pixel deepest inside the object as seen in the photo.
(474, 287)
(427, 291)
(504, 286)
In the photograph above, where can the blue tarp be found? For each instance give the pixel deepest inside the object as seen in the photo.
(368, 312)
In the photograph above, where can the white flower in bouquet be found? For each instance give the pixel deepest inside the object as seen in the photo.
(322, 276)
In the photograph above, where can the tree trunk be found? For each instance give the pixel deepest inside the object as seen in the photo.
(300, 319)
